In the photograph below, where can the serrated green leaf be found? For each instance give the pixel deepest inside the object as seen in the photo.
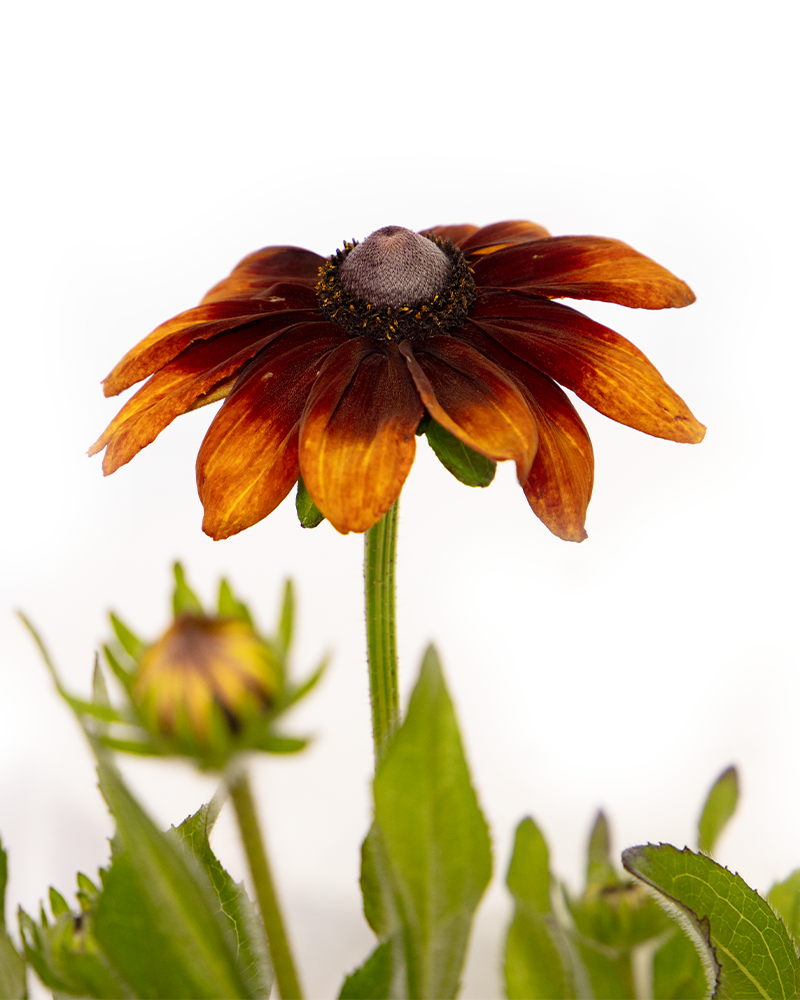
(253, 956)
(184, 599)
(785, 898)
(373, 980)
(229, 606)
(434, 835)
(754, 954)
(13, 985)
(156, 919)
(720, 806)
(469, 467)
(678, 973)
(309, 515)
(539, 962)
(132, 645)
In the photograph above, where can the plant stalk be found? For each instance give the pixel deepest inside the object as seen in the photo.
(380, 547)
(282, 962)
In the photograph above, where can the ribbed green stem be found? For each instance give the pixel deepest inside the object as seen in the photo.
(282, 962)
(380, 546)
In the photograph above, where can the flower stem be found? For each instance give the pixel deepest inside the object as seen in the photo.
(380, 546)
(282, 962)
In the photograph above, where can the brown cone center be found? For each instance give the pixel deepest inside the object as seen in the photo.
(395, 267)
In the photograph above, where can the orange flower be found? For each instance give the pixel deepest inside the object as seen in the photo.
(328, 367)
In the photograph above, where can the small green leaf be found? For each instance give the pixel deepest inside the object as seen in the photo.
(184, 599)
(157, 919)
(285, 629)
(785, 898)
(132, 645)
(229, 606)
(469, 467)
(309, 515)
(373, 980)
(58, 904)
(434, 836)
(720, 806)
(539, 961)
(13, 984)
(733, 928)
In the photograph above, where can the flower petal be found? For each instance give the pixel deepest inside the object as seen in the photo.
(488, 239)
(357, 440)
(266, 267)
(168, 340)
(203, 373)
(602, 367)
(248, 461)
(584, 267)
(472, 398)
(559, 486)
(456, 234)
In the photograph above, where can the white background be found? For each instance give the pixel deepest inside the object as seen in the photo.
(148, 147)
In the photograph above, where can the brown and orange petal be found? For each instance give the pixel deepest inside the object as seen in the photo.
(203, 373)
(357, 441)
(456, 234)
(584, 267)
(602, 367)
(497, 236)
(248, 461)
(200, 323)
(473, 399)
(266, 267)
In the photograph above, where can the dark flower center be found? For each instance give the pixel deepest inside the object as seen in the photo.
(396, 285)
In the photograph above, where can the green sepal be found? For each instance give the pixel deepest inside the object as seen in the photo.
(744, 946)
(132, 645)
(229, 605)
(285, 630)
(720, 806)
(184, 599)
(309, 515)
(292, 693)
(468, 466)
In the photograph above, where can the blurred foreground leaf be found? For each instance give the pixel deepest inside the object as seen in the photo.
(720, 806)
(745, 946)
(785, 898)
(13, 984)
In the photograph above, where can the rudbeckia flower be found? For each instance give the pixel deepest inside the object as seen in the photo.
(328, 366)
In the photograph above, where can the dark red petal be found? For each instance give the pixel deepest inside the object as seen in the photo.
(472, 398)
(203, 373)
(559, 486)
(266, 267)
(248, 461)
(602, 367)
(168, 340)
(489, 239)
(456, 234)
(357, 440)
(584, 267)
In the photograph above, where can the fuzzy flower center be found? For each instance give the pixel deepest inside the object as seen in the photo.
(396, 285)
(395, 267)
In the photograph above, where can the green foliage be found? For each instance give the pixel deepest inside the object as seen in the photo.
(748, 950)
(468, 466)
(309, 515)
(720, 806)
(13, 984)
(427, 860)
(784, 897)
(184, 599)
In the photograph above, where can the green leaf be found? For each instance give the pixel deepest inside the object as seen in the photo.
(157, 919)
(785, 898)
(720, 806)
(309, 515)
(13, 984)
(229, 606)
(132, 645)
(599, 870)
(744, 946)
(184, 599)
(466, 465)
(539, 962)
(234, 902)
(373, 980)
(678, 972)
(285, 629)
(434, 836)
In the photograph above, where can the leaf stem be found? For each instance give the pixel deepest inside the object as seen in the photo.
(282, 962)
(380, 547)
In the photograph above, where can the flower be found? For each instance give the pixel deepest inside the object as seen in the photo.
(327, 367)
